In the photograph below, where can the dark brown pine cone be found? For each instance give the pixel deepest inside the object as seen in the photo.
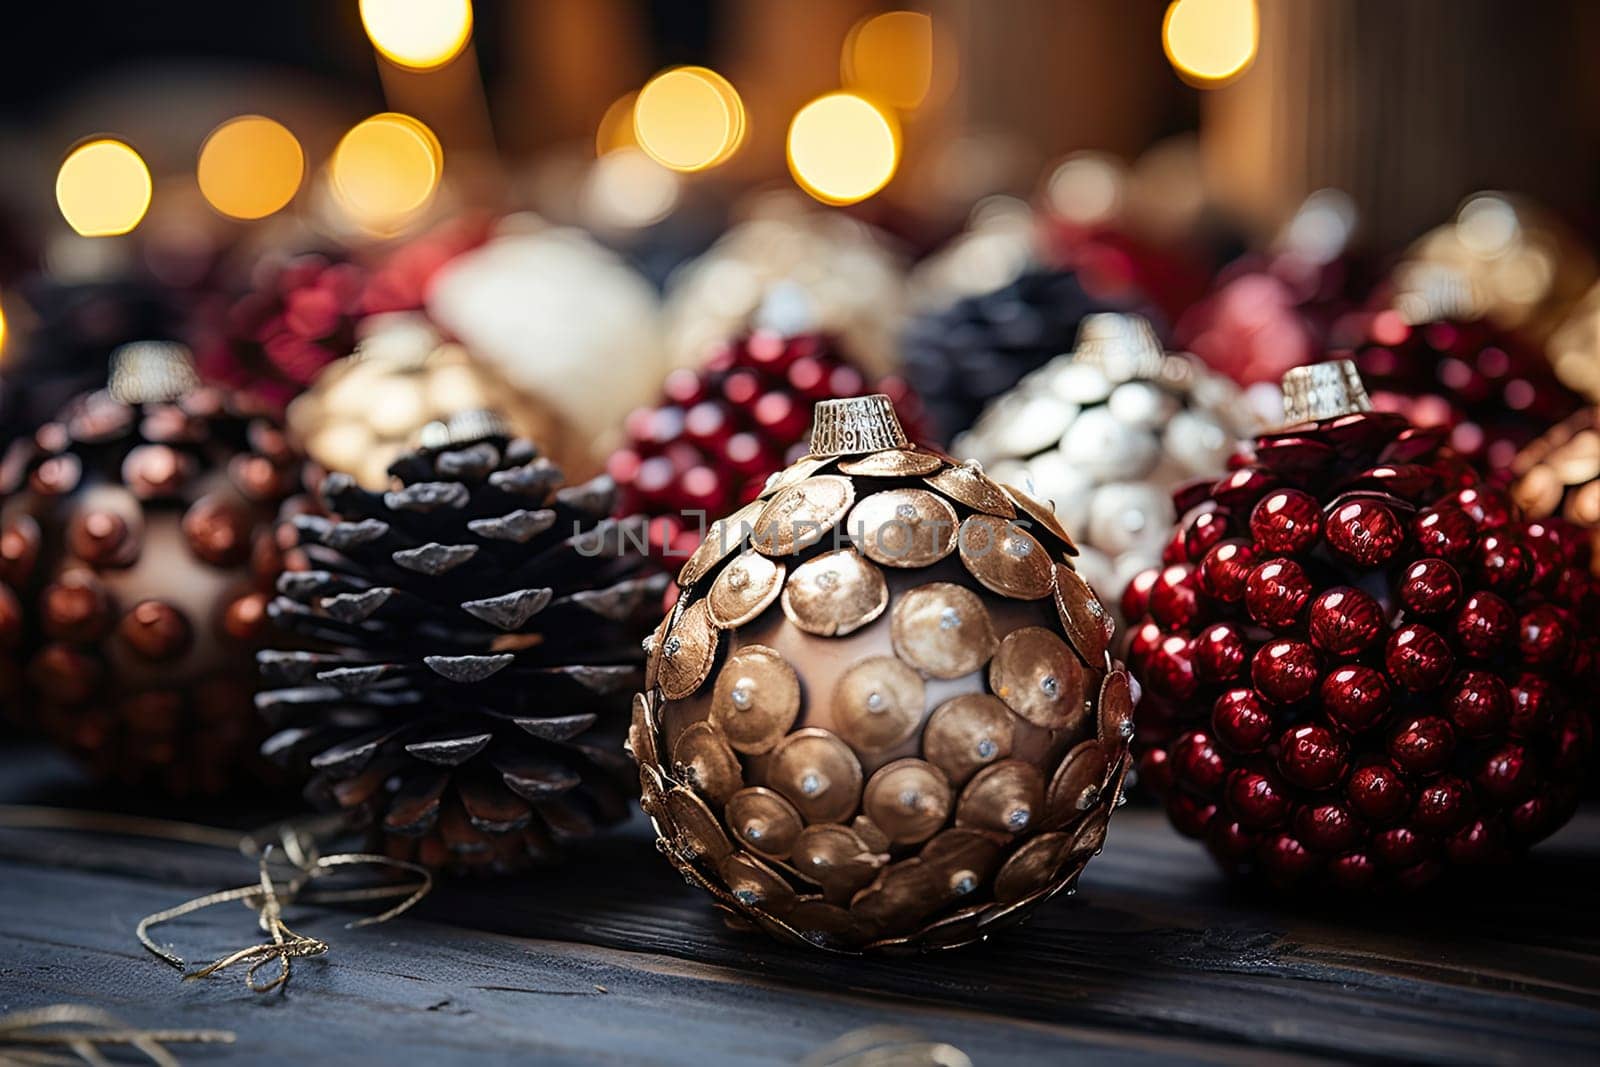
(136, 562)
(479, 635)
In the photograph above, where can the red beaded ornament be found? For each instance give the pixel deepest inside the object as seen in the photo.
(722, 430)
(1361, 667)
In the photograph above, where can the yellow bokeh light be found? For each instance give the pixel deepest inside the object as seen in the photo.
(418, 34)
(2, 330)
(385, 170)
(689, 118)
(889, 57)
(250, 167)
(103, 188)
(616, 126)
(1210, 42)
(842, 148)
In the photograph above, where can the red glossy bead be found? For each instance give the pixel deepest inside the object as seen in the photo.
(1225, 570)
(1256, 800)
(1201, 532)
(1574, 741)
(1276, 593)
(1430, 587)
(1285, 671)
(1418, 658)
(1136, 594)
(1545, 636)
(1479, 704)
(1285, 860)
(1190, 815)
(1399, 846)
(1241, 721)
(1508, 773)
(1169, 669)
(1480, 841)
(1344, 621)
(1442, 805)
(1243, 487)
(1354, 872)
(1365, 533)
(1175, 597)
(1286, 522)
(1536, 703)
(1378, 793)
(1142, 644)
(1312, 757)
(1328, 828)
(1355, 698)
(1504, 563)
(1230, 842)
(1445, 531)
(1220, 653)
(1487, 507)
(1485, 626)
(1196, 763)
(1155, 771)
(1422, 745)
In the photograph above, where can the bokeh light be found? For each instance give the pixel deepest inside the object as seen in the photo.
(1210, 42)
(418, 34)
(689, 118)
(103, 188)
(889, 57)
(250, 167)
(616, 126)
(386, 170)
(2, 328)
(842, 148)
(626, 189)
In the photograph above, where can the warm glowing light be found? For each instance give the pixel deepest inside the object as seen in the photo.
(889, 57)
(418, 34)
(103, 188)
(1210, 42)
(250, 167)
(2, 331)
(385, 170)
(842, 148)
(616, 126)
(626, 189)
(689, 118)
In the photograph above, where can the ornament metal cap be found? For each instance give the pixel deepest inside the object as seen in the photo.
(855, 425)
(151, 372)
(1123, 347)
(1323, 391)
(1429, 292)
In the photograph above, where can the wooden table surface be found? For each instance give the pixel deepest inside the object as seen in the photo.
(614, 960)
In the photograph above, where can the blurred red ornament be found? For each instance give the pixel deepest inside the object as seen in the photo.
(1380, 672)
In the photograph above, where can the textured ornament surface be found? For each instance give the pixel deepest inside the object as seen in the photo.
(1361, 695)
(136, 561)
(1104, 435)
(888, 732)
(471, 638)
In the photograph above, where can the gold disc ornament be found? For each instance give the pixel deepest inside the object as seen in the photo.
(891, 694)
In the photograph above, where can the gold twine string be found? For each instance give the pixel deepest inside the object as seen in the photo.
(29, 1036)
(295, 841)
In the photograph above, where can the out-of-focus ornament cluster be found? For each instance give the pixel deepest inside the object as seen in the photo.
(1558, 475)
(562, 320)
(136, 559)
(1106, 433)
(882, 715)
(721, 431)
(1361, 664)
(793, 268)
(474, 634)
(366, 410)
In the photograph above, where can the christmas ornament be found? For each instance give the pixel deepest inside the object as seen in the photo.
(136, 557)
(475, 634)
(364, 411)
(882, 715)
(1431, 357)
(719, 432)
(1558, 475)
(1368, 667)
(1105, 433)
(964, 355)
(791, 267)
(562, 320)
